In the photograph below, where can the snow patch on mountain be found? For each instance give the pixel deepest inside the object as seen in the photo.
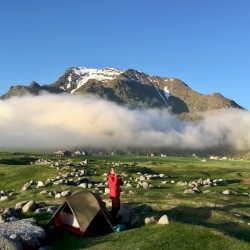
(85, 74)
(166, 92)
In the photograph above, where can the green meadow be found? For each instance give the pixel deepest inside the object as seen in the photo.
(200, 221)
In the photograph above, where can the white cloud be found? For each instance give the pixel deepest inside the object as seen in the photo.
(64, 121)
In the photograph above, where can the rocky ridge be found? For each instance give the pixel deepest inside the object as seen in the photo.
(129, 87)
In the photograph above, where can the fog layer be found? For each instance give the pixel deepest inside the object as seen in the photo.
(64, 121)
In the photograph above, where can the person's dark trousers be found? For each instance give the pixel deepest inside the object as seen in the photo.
(115, 206)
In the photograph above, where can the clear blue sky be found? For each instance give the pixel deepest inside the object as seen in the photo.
(205, 43)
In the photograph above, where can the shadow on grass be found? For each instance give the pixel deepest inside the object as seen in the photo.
(233, 181)
(200, 216)
(19, 161)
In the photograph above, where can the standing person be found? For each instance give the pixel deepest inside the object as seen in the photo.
(114, 183)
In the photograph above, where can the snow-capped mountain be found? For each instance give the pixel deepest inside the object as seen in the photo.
(129, 87)
(79, 76)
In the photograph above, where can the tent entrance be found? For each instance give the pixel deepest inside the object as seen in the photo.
(66, 220)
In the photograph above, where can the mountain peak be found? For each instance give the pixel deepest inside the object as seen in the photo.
(130, 87)
(80, 75)
(34, 84)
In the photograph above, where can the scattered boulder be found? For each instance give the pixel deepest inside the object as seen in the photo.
(149, 220)
(181, 183)
(207, 191)
(27, 186)
(40, 210)
(106, 191)
(145, 185)
(41, 204)
(189, 191)
(83, 185)
(65, 193)
(58, 195)
(3, 198)
(40, 184)
(51, 209)
(20, 205)
(43, 192)
(29, 207)
(163, 220)
(197, 190)
(229, 192)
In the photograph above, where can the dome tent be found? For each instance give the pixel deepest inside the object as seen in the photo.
(83, 213)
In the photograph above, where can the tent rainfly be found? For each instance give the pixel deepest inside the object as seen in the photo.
(83, 213)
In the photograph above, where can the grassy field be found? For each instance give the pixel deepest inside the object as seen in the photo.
(200, 221)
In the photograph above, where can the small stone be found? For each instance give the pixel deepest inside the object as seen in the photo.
(3, 198)
(163, 220)
(40, 210)
(58, 195)
(40, 184)
(51, 209)
(65, 193)
(148, 220)
(189, 191)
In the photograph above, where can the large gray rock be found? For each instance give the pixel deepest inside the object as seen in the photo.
(125, 213)
(9, 244)
(22, 227)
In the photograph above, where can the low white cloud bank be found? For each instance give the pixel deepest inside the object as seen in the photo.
(64, 121)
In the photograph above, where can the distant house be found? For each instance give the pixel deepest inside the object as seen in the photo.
(77, 152)
(58, 153)
(62, 153)
(67, 153)
(214, 157)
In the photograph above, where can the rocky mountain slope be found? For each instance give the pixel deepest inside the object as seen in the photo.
(129, 87)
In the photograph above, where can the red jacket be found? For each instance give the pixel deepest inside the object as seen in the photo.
(114, 183)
